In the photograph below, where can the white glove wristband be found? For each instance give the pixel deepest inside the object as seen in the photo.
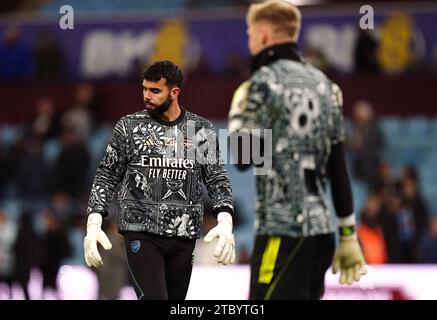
(225, 216)
(94, 219)
(95, 235)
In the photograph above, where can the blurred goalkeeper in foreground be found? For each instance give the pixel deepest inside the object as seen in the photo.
(295, 235)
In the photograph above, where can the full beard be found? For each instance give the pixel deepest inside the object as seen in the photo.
(160, 109)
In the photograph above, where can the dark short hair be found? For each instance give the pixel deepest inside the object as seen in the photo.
(167, 70)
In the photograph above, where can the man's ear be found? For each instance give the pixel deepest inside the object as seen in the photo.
(265, 34)
(174, 92)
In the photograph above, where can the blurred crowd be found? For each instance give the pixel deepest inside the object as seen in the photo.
(44, 59)
(396, 225)
(46, 169)
(20, 61)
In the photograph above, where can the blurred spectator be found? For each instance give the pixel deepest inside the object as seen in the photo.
(391, 207)
(366, 52)
(15, 56)
(49, 59)
(14, 155)
(416, 208)
(8, 231)
(365, 142)
(405, 222)
(62, 205)
(428, 252)
(26, 249)
(85, 110)
(33, 174)
(409, 172)
(76, 225)
(370, 232)
(72, 164)
(45, 123)
(54, 249)
(6, 169)
(385, 182)
(434, 58)
(407, 235)
(113, 275)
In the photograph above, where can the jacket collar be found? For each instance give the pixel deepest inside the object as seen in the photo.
(273, 53)
(171, 123)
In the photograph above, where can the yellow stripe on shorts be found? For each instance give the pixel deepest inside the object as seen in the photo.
(269, 260)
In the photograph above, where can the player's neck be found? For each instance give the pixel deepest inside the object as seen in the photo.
(173, 112)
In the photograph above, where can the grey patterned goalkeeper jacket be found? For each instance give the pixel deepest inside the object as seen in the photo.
(161, 167)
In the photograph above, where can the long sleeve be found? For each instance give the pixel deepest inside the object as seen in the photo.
(214, 175)
(337, 168)
(340, 181)
(110, 171)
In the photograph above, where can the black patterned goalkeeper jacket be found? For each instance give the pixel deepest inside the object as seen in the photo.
(161, 167)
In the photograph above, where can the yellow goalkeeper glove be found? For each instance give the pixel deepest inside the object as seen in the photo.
(348, 258)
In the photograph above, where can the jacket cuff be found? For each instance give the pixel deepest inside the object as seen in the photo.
(223, 209)
(103, 213)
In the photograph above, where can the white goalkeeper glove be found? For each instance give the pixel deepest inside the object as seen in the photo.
(225, 249)
(348, 258)
(94, 234)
